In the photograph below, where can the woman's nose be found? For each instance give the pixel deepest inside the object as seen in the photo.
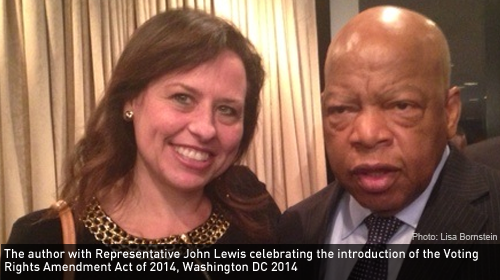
(202, 125)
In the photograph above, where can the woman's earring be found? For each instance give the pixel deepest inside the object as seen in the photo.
(128, 115)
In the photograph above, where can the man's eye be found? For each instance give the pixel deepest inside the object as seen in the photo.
(337, 109)
(406, 111)
(402, 105)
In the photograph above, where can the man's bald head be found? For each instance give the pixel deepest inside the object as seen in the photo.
(386, 30)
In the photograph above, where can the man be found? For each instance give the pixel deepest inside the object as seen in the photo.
(388, 114)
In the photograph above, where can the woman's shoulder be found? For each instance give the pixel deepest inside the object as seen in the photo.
(36, 228)
(245, 182)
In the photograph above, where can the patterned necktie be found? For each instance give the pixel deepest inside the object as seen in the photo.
(380, 230)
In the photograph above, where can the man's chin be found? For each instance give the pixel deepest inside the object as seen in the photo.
(381, 205)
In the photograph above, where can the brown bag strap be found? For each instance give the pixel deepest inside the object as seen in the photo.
(68, 235)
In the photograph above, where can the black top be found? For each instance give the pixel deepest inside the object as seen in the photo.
(35, 228)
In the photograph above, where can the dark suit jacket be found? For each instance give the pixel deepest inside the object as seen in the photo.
(486, 152)
(466, 199)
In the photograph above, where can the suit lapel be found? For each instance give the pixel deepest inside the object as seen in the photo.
(448, 213)
(450, 208)
(321, 224)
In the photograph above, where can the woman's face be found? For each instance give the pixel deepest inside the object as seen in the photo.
(188, 125)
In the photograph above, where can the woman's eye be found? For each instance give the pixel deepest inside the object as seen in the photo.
(182, 98)
(228, 111)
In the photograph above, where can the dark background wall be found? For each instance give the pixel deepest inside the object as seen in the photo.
(492, 29)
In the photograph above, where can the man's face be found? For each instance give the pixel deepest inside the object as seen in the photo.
(386, 118)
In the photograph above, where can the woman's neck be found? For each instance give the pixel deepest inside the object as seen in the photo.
(151, 211)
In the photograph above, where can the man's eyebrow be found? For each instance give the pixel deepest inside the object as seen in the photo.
(407, 87)
(338, 95)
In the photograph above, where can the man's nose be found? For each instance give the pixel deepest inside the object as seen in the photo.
(370, 129)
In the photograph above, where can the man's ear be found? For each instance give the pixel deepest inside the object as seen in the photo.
(453, 108)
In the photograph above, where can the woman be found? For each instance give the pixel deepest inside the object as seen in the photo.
(157, 162)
